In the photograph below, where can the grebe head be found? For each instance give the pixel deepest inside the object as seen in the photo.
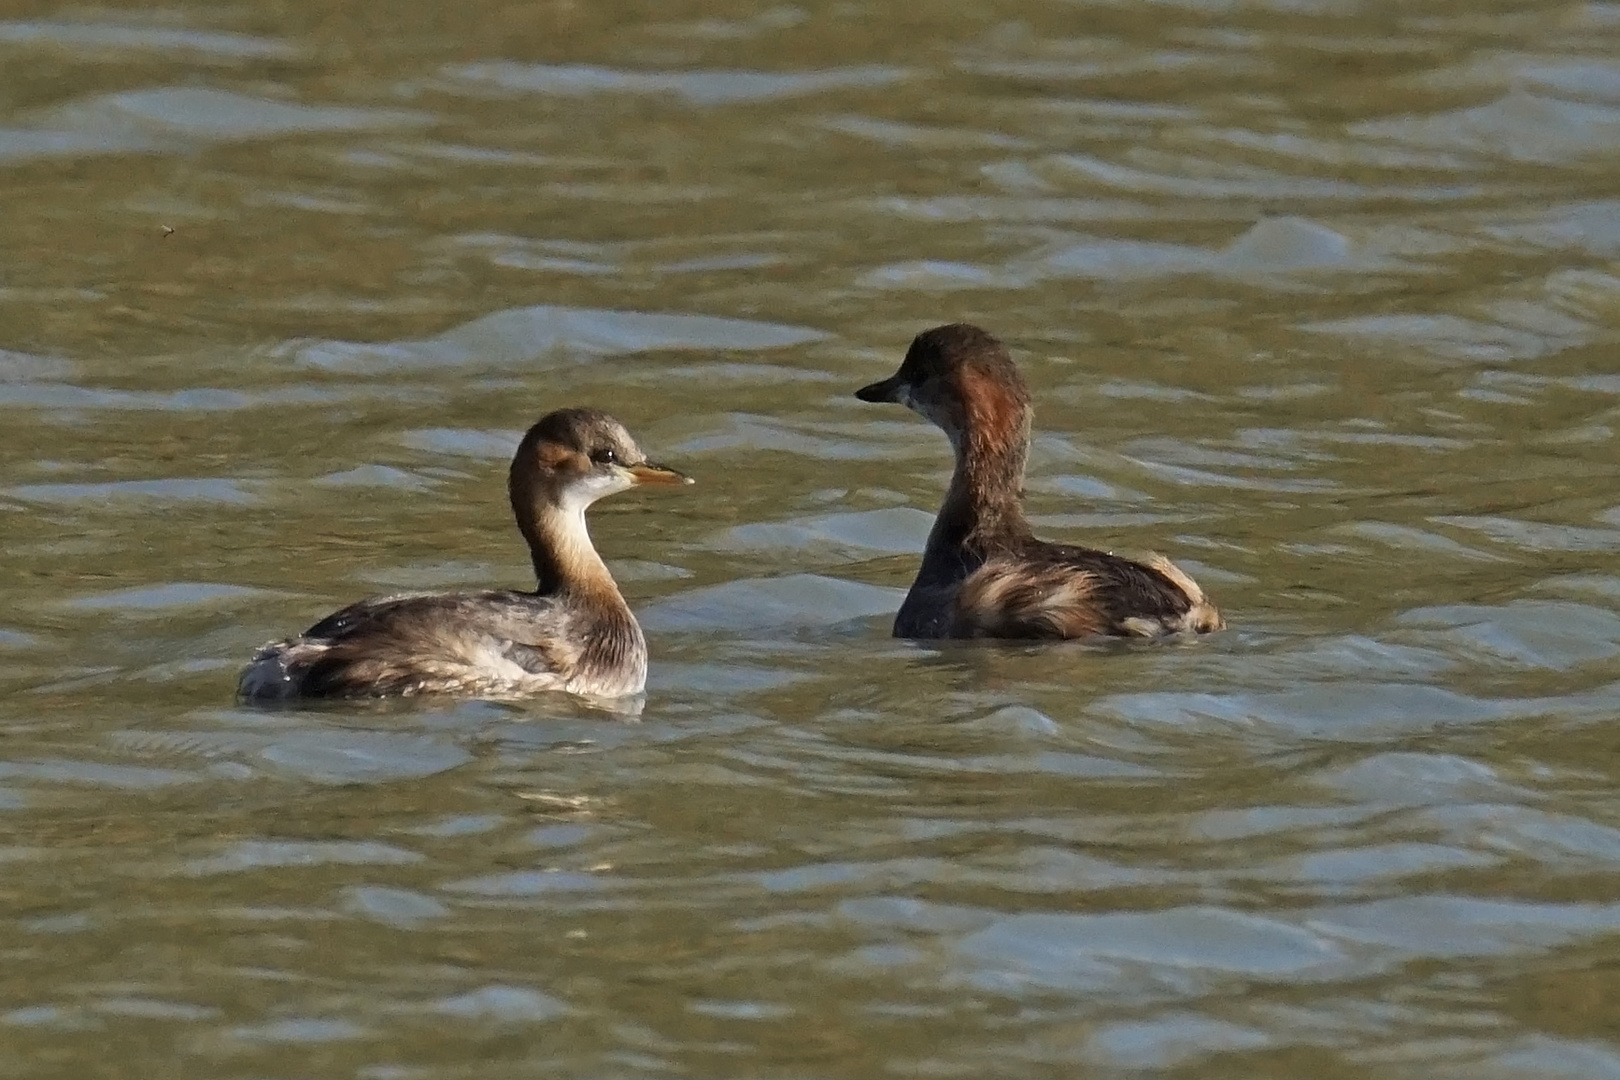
(962, 379)
(572, 457)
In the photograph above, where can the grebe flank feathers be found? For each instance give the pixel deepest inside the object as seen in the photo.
(573, 633)
(984, 574)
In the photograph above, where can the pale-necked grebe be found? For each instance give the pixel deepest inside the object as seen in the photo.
(573, 633)
(983, 573)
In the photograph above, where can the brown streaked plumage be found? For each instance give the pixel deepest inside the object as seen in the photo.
(573, 633)
(984, 574)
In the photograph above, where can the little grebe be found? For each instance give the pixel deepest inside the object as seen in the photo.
(573, 633)
(983, 573)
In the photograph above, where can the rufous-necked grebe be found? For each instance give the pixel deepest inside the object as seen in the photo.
(983, 573)
(573, 633)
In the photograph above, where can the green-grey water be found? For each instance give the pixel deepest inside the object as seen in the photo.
(1319, 298)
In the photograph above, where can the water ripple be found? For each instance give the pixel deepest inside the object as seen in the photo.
(694, 87)
(546, 333)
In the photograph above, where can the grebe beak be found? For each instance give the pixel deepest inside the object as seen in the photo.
(887, 391)
(646, 472)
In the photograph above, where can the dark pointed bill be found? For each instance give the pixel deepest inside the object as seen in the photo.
(886, 391)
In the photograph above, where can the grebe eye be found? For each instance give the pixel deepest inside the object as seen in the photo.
(604, 456)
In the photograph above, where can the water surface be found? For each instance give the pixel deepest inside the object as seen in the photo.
(1318, 298)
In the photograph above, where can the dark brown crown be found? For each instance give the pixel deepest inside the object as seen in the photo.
(946, 351)
(572, 440)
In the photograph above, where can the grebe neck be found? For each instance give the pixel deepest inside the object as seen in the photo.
(983, 509)
(565, 561)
